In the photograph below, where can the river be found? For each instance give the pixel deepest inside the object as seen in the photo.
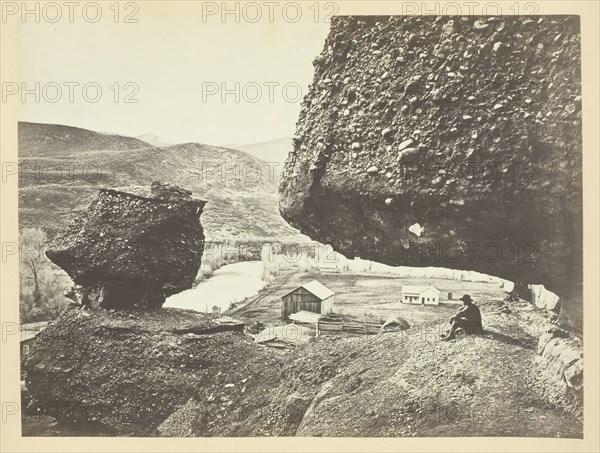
(230, 283)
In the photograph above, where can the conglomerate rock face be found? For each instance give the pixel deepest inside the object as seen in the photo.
(133, 249)
(467, 130)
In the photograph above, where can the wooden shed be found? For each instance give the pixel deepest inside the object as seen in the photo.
(312, 296)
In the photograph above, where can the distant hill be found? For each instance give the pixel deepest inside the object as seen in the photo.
(36, 139)
(270, 151)
(62, 167)
(153, 140)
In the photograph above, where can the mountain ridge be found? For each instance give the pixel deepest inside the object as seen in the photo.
(275, 150)
(62, 167)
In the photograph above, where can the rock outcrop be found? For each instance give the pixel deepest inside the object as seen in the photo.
(445, 141)
(133, 249)
(560, 364)
(562, 354)
(124, 371)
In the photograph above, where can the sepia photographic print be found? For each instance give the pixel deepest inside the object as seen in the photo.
(299, 220)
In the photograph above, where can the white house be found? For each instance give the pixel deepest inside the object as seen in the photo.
(423, 295)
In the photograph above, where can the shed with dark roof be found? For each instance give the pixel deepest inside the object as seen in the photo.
(312, 296)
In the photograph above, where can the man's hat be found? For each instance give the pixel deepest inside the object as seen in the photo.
(466, 298)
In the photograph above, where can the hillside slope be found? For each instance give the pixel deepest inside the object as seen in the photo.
(270, 151)
(402, 384)
(153, 140)
(37, 139)
(165, 373)
(61, 169)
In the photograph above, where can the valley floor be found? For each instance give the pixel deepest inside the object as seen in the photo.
(363, 295)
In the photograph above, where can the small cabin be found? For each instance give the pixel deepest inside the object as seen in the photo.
(29, 333)
(422, 295)
(312, 296)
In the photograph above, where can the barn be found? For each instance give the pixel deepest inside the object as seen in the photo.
(312, 296)
(422, 295)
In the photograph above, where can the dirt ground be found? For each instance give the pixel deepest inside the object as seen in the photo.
(396, 384)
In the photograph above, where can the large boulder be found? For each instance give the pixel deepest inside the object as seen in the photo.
(445, 141)
(133, 248)
(123, 372)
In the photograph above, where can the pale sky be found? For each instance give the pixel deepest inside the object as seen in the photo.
(174, 62)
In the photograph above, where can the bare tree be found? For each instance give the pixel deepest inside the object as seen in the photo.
(32, 257)
(42, 284)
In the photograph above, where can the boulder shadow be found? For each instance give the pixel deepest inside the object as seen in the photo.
(527, 343)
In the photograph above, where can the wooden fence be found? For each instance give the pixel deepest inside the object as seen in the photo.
(369, 328)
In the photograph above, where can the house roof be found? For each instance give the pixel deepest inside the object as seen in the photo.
(304, 316)
(316, 288)
(289, 333)
(31, 330)
(410, 289)
(28, 334)
(227, 321)
(35, 325)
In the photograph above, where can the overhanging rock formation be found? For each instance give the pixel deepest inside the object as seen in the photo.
(133, 249)
(469, 127)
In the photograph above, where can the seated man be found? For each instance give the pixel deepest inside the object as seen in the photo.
(467, 318)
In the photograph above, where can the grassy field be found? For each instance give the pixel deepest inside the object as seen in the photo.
(361, 295)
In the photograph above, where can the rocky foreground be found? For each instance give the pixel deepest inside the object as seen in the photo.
(446, 141)
(172, 372)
